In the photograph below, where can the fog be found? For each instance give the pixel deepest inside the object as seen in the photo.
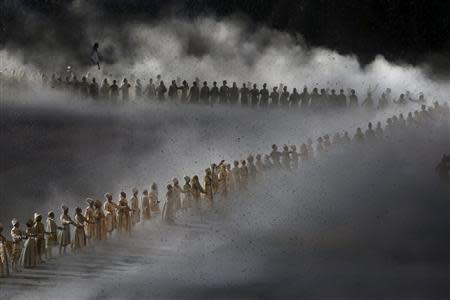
(366, 222)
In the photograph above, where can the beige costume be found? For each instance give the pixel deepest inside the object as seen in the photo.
(17, 236)
(65, 238)
(154, 202)
(169, 209)
(110, 215)
(187, 196)
(40, 236)
(123, 216)
(89, 215)
(135, 211)
(145, 204)
(52, 233)
(100, 222)
(79, 238)
(4, 265)
(29, 257)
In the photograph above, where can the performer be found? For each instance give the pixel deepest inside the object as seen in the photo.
(29, 257)
(17, 236)
(154, 201)
(123, 215)
(187, 193)
(52, 233)
(169, 209)
(89, 215)
(145, 204)
(66, 221)
(111, 215)
(4, 264)
(134, 205)
(79, 238)
(40, 236)
(100, 221)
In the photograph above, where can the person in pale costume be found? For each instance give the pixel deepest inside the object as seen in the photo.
(89, 215)
(17, 236)
(145, 205)
(65, 236)
(134, 206)
(4, 264)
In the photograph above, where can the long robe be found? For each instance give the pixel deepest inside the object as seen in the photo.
(135, 211)
(79, 238)
(65, 238)
(4, 264)
(209, 189)
(123, 216)
(154, 205)
(177, 196)
(110, 215)
(29, 257)
(145, 204)
(169, 209)
(89, 227)
(52, 233)
(100, 224)
(40, 239)
(17, 236)
(197, 190)
(187, 196)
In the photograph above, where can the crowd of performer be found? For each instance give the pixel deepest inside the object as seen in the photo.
(211, 93)
(100, 219)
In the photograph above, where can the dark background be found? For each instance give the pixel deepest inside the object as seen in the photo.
(415, 32)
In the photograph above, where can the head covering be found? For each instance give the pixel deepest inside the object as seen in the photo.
(98, 203)
(175, 180)
(50, 213)
(36, 215)
(108, 196)
(89, 201)
(187, 178)
(14, 222)
(30, 222)
(78, 210)
(134, 190)
(64, 208)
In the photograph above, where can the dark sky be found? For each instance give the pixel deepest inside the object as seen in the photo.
(403, 31)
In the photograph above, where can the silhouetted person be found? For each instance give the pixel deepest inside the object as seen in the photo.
(275, 155)
(294, 99)
(315, 99)
(161, 91)
(353, 99)
(150, 90)
(244, 95)
(274, 97)
(125, 88)
(264, 100)
(333, 99)
(304, 99)
(284, 98)
(204, 93)
(234, 94)
(342, 99)
(255, 96)
(104, 90)
(173, 91)
(401, 100)
(214, 93)
(368, 102)
(84, 87)
(382, 102)
(224, 93)
(324, 102)
(93, 89)
(184, 91)
(114, 91)
(138, 89)
(194, 93)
